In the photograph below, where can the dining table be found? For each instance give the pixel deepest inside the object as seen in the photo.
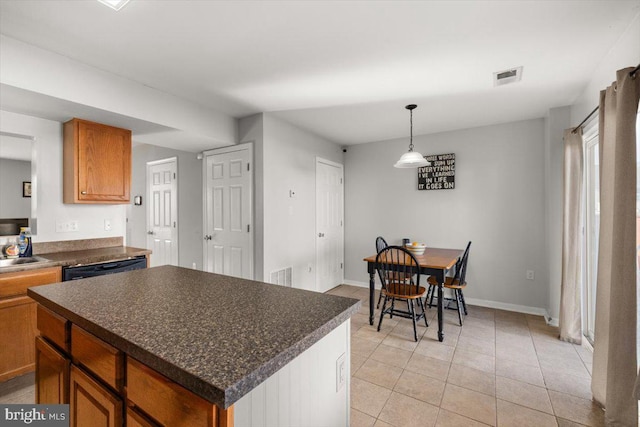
(435, 262)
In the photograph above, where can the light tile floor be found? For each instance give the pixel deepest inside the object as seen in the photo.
(500, 369)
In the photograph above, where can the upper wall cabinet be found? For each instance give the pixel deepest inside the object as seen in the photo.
(97, 163)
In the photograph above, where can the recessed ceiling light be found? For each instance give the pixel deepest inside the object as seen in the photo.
(115, 4)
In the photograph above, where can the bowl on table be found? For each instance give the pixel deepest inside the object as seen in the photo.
(416, 249)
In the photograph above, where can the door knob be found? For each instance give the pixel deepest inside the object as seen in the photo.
(207, 237)
(150, 232)
(320, 234)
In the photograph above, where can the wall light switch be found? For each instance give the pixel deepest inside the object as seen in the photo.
(530, 275)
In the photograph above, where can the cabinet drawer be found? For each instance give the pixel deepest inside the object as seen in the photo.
(103, 360)
(13, 284)
(134, 419)
(54, 327)
(165, 401)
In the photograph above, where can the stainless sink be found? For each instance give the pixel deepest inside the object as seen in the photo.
(10, 262)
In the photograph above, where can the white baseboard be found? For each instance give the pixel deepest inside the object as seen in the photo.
(551, 321)
(507, 306)
(489, 304)
(356, 283)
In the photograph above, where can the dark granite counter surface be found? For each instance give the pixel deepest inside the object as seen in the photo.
(80, 257)
(216, 335)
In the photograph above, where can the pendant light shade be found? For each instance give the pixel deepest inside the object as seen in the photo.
(411, 159)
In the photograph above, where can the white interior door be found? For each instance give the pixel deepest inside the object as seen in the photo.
(162, 211)
(228, 240)
(329, 225)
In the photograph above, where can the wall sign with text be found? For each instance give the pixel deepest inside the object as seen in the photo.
(441, 175)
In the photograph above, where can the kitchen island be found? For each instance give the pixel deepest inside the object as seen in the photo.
(174, 346)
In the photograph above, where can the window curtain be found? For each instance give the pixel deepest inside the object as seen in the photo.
(614, 358)
(570, 298)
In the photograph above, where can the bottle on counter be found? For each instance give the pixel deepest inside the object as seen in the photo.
(24, 242)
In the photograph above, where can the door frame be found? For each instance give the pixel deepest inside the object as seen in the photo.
(148, 194)
(341, 167)
(224, 150)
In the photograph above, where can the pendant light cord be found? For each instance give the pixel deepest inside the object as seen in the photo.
(411, 130)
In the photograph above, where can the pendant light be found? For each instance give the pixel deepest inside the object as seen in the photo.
(411, 159)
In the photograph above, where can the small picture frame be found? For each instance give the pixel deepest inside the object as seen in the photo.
(26, 188)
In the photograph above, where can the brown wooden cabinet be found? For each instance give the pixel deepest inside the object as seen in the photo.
(97, 163)
(18, 319)
(52, 373)
(92, 404)
(76, 367)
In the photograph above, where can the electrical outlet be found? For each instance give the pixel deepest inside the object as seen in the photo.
(66, 226)
(107, 225)
(341, 372)
(530, 275)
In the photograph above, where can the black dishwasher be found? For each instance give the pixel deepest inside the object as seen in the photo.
(92, 270)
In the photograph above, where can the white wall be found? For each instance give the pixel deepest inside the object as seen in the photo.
(289, 163)
(251, 130)
(625, 53)
(47, 186)
(498, 203)
(12, 174)
(42, 71)
(189, 201)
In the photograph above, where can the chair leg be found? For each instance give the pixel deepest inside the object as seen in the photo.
(379, 299)
(393, 307)
(384, 306)
(424, 313)
(428, 294)
(413, 317)
(458, 305)
(464, 304)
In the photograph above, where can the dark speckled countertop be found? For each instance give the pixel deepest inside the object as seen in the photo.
(218, 336)
(87, 256)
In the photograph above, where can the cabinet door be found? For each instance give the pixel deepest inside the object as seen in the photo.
(91, 404)
(104, 163)
(17, 335)
(52, 374)
(18, 319)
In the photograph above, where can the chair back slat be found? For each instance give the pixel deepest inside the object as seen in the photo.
(461, 268)
(398, 270)
(380, 244)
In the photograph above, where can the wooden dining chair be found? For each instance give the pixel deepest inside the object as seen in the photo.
(456, 283)
(392, 263)
(380, 245)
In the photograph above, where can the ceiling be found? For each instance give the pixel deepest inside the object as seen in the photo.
(341, 69)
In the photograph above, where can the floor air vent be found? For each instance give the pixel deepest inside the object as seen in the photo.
(282, 277)
(507, 76)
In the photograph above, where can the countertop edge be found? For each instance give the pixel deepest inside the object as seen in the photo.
(81, 259)
(222, 398)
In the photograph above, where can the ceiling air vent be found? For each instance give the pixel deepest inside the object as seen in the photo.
(507, 76)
